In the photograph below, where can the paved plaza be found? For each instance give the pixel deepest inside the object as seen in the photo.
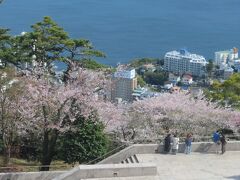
(195, 166)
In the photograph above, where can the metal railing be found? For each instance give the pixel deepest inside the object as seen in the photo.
(195, 138)
(117, 149)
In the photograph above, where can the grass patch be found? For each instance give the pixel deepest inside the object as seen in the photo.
(23, 165)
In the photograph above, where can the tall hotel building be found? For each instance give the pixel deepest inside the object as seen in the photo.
(124, 82)
(182, 61)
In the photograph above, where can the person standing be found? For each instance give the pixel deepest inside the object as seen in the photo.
(216, 140)
(223, 143)
(175, 144)
(167, 143)
(188, 143)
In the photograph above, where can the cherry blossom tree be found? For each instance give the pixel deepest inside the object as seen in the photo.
(49, 106)
(10, 118)
(178, 112)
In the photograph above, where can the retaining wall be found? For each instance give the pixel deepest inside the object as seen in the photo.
(201, 147)
(109, 170)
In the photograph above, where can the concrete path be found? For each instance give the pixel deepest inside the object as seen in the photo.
(195, 166)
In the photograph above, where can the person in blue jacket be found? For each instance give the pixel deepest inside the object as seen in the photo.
(216, 140)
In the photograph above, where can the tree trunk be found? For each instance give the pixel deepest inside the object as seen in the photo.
(6, 153)
(133, 134)
(45, 159)
(49, 143)
(124, 134)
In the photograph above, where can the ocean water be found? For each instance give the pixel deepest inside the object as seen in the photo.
(129, 29)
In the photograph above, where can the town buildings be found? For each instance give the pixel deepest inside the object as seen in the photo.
(182, 62)
(142, 93)
(187, 79)
(237, 65)
(174, 78)
(123, 84)
(226, 57)
(227, 60)
(227, 72)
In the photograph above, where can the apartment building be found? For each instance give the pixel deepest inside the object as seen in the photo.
(123, 84)
(182, 62)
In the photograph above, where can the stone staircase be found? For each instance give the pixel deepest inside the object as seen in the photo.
(130, 160)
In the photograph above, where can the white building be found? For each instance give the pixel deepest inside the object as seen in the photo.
(128, 74)
(226, 57)
(123, 84)
(187, 79)
(184, 62)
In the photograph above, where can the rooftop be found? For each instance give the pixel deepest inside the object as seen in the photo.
(188, 76)
(193, 57)
(128, 73)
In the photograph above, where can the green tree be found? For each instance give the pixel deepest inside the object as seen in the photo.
(139, 62)
(227, 93)
(155, 78)
(85, 141)
(3, 37)
(209, 67)
(46, 42)
(44, 45)
(80, 51)
(91, 64)
(5, 45)
(10, 94)
(140, 81)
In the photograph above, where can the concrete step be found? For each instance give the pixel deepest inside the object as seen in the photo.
(131, 159)
(135, 158)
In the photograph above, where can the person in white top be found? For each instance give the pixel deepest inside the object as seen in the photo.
(175, 144)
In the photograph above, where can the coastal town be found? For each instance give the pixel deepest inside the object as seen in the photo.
(181, 71)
